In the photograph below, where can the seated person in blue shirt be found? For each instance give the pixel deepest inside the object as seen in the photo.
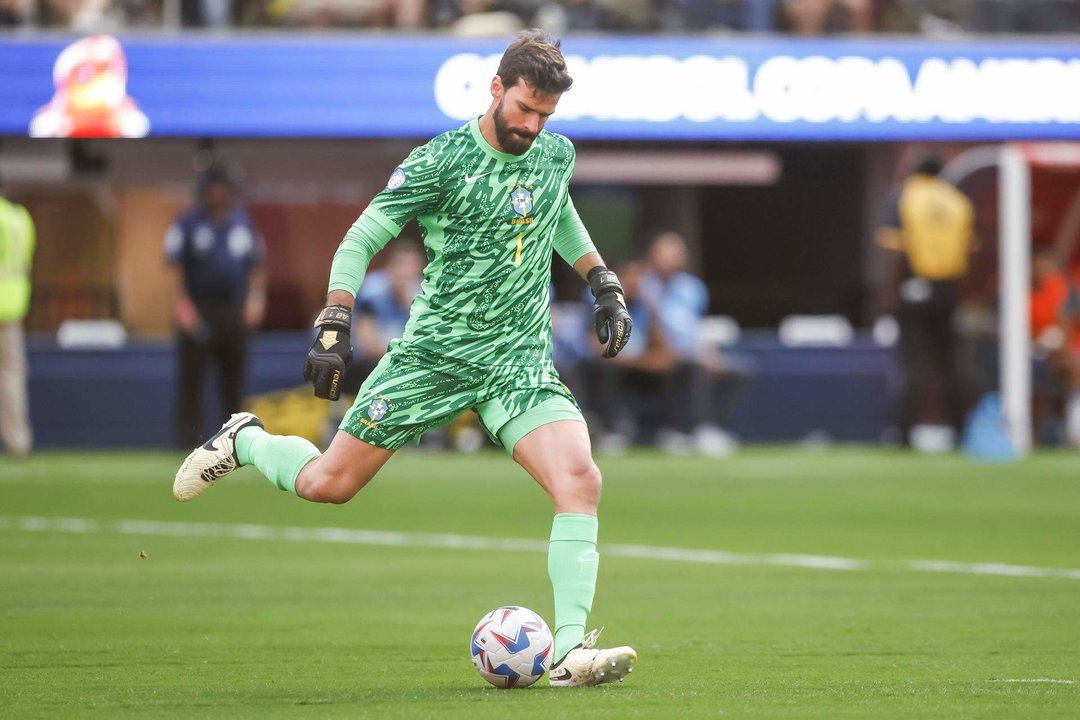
(382, 308)
(705, 383)
(631, 395)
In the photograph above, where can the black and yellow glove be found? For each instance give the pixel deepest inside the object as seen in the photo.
(331, 352)
(610, 316)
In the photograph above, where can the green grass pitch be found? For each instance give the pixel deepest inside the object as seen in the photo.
(233, 614)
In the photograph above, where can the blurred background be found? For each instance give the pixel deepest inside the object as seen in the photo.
(837, 220)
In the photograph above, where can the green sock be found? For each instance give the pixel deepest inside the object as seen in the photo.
(572, 565)
(280, 458)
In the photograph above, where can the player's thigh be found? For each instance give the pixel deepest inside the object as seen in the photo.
(555, 450)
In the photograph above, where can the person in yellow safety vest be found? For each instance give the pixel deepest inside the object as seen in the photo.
(16, 252)
(930, 226)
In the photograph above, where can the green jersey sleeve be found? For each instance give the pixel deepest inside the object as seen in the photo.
(412, 190)
(365, 238)
(571, 240)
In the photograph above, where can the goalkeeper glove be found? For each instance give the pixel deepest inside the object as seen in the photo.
(610, 317)
(331, 352)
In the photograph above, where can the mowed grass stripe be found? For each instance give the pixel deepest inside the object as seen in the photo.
(353, 536)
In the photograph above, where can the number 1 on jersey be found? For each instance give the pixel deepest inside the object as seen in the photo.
(517, 255)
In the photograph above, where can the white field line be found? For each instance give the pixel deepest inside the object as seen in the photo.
(1036, 680)
(947, 566)
(348, 536)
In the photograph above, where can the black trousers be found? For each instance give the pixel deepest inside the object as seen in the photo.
(223, 342)
(682, 399)
(929, 349)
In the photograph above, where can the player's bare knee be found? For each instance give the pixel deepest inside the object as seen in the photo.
(587, 480)
(339, 496)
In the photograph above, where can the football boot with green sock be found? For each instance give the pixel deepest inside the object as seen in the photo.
(212, 460)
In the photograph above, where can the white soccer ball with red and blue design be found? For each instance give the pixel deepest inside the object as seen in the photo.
(511, 647)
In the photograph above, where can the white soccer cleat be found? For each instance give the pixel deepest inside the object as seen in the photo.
(584, 665)
(213, 460)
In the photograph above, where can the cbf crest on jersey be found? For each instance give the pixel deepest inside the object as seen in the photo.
(377, 409)
(521, 200)
(397, 179)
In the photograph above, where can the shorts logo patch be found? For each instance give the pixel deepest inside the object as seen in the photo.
(377, 409)
(397, 179)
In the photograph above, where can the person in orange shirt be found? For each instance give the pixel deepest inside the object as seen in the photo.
(1055, 333)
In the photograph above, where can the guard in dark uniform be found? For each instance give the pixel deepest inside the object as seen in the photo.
(217, 254)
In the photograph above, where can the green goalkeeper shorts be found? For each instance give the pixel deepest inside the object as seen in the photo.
(413, 390)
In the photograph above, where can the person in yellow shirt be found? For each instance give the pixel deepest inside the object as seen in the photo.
(16, 252)
(930, 227)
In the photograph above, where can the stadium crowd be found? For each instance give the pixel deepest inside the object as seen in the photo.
(499, 17)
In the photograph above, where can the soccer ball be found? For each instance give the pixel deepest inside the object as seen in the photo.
(511, 647)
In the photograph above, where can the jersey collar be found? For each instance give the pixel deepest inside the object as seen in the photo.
(474, 128)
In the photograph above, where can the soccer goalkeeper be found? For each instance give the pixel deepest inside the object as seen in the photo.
(492, 201)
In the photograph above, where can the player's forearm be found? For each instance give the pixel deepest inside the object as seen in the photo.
(365, 238)
(587, 262)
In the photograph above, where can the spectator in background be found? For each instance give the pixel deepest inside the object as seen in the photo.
(1024, 16)
(734, 15)
(16, 13)
(633, 394)
(710, 382)
(570, 16)
(334, 14)
(481, 17)
(382, 309)
(16, 252)
(930, 228)
(216, 14)
(1053, 308)
(812, 18)
(216, 258)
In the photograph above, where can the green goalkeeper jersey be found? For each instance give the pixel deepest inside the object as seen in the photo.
(489, 222)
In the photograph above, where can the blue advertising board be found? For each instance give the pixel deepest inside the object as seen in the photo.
(626, 88)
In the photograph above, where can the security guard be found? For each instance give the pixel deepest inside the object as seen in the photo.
(215, 255)
(931, 227)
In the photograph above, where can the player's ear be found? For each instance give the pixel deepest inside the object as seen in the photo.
(497, 88)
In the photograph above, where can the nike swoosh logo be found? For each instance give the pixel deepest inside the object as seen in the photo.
(209, 444)
(470, 179)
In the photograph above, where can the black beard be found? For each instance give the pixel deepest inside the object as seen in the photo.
(511, 141)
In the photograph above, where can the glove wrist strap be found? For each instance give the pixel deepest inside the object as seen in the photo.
(601, 281)
(335, 316)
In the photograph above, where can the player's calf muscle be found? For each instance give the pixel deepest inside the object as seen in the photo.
(321, 484)
(335, 493)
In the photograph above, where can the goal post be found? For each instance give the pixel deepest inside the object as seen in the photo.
(1015, 163)
(1014, 277)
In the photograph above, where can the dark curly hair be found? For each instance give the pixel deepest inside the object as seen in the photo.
(535, 56)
